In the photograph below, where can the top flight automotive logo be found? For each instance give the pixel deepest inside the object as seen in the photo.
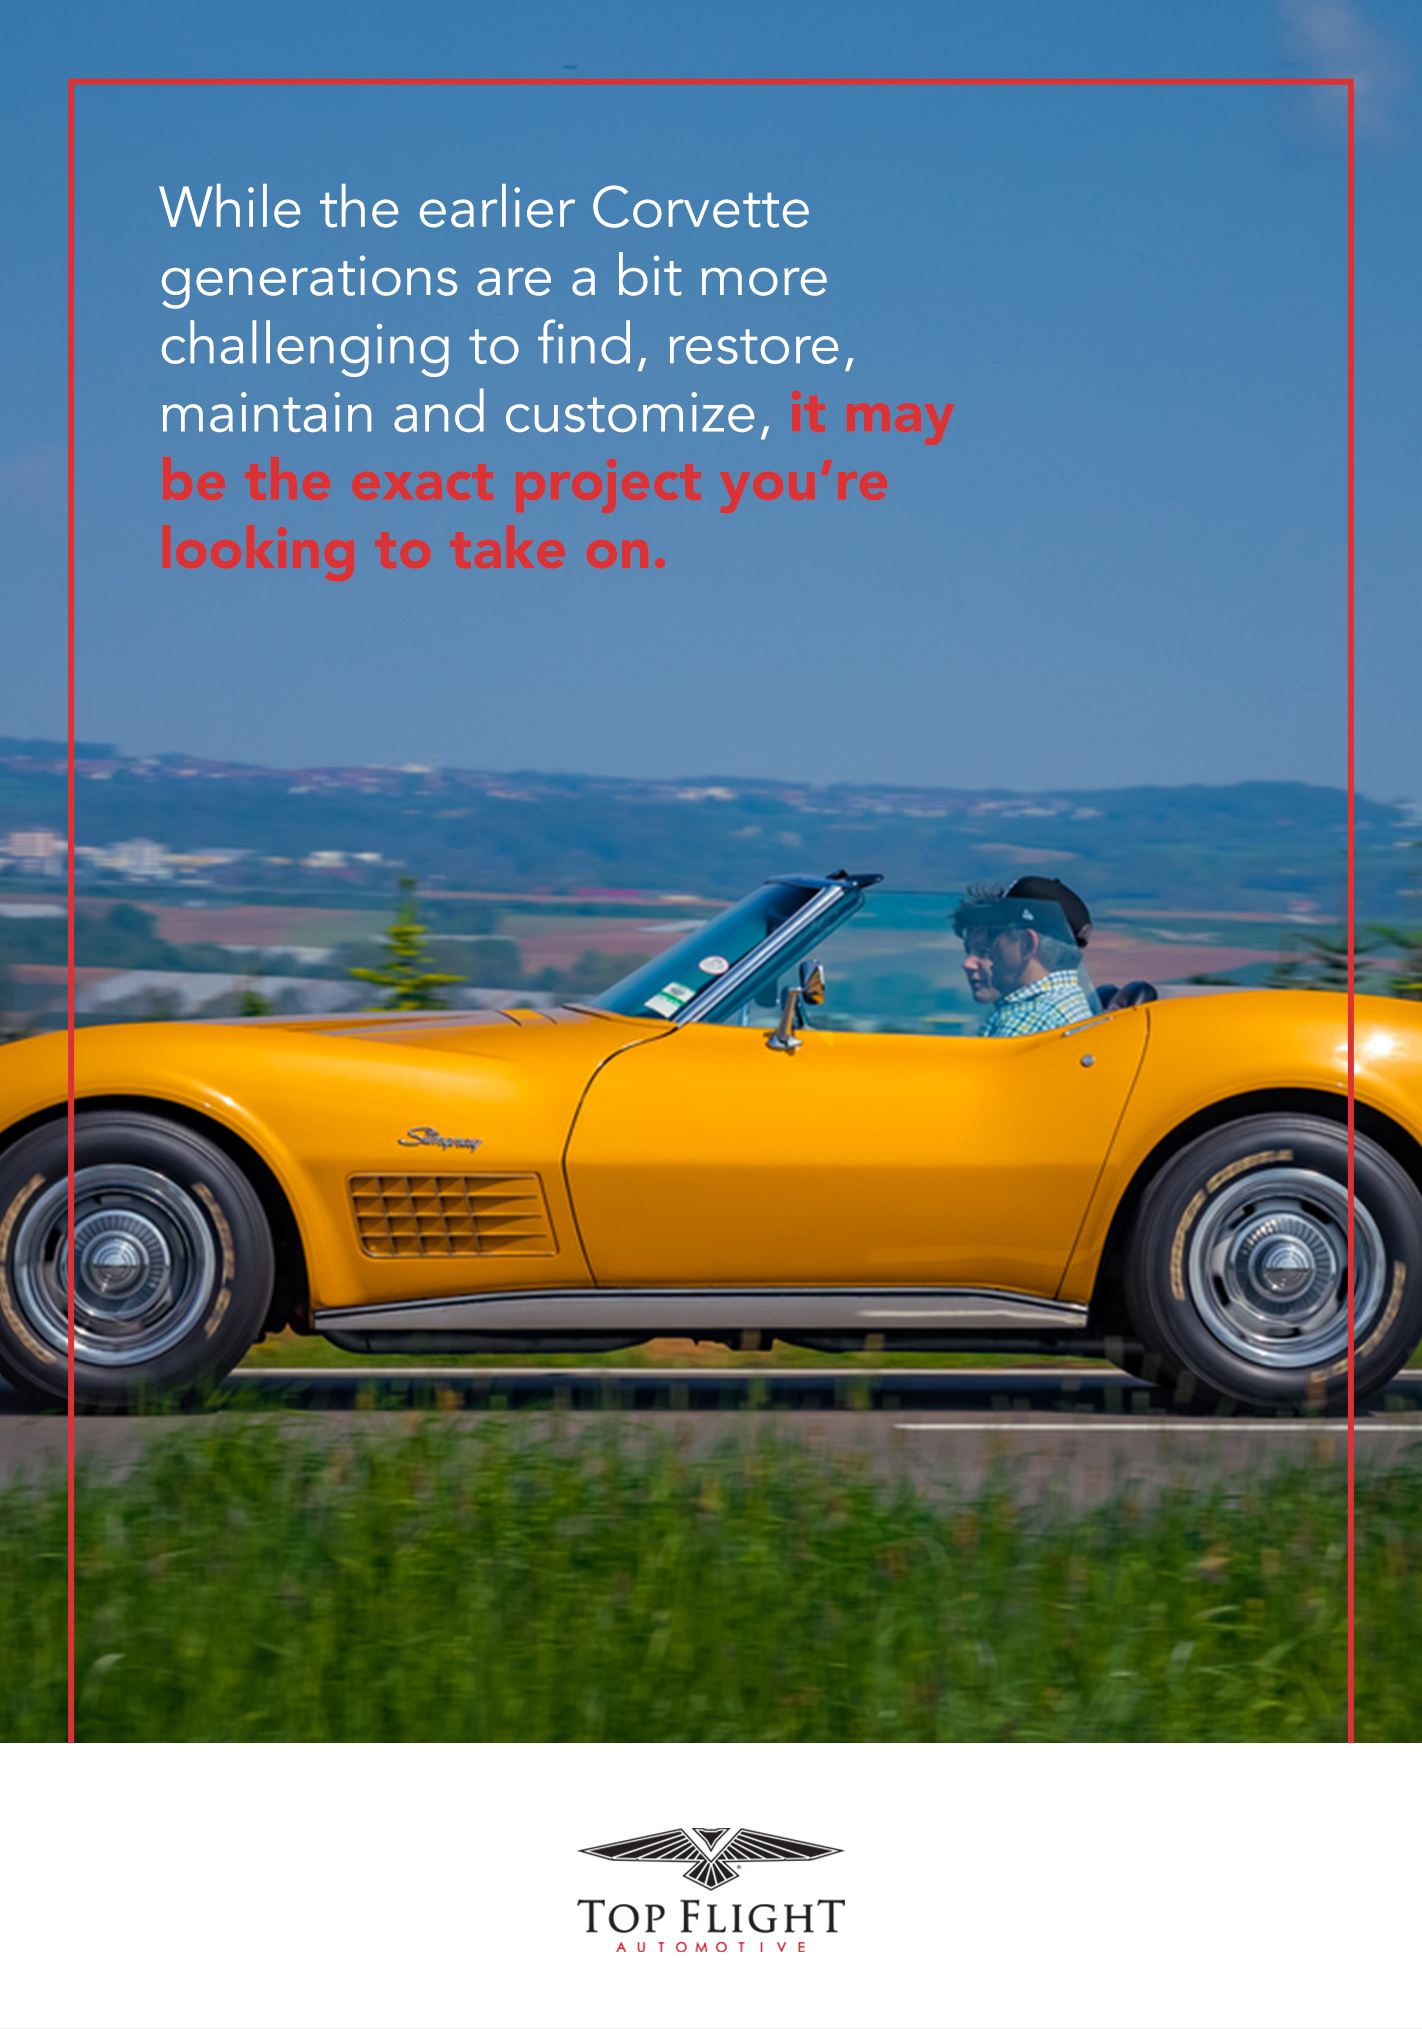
(717, 1856)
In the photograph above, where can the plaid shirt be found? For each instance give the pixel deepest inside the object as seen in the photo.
(1050, 1003)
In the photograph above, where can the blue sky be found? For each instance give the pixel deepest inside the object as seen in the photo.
(1123, 562)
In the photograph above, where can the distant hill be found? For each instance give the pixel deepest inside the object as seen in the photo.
(1267, 847)
(32, 750)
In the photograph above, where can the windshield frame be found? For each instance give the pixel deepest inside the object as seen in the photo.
(833, 896)
(743, 972)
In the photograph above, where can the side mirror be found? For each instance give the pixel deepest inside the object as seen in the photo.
(812, 986)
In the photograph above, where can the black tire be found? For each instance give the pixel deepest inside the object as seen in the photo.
(1236, 1277)
(176, 1261)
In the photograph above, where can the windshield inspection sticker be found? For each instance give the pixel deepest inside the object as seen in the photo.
(671, 997)
(715, 965)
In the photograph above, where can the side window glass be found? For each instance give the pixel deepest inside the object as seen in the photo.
(899, 967)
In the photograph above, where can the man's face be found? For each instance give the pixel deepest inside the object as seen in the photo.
(1010, 955)
(977, 964)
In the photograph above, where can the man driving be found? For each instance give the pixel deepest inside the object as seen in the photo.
(1021, 952)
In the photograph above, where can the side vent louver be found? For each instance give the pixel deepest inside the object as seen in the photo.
(439, 1217)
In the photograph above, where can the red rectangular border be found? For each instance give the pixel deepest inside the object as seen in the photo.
(1293, 83)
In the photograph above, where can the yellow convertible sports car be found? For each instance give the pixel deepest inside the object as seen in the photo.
(738, 1141)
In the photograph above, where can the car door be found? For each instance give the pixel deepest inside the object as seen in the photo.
(942, 1161)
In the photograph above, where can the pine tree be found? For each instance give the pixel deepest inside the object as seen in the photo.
(1406, 979)
(400, 975)
(1317, 962)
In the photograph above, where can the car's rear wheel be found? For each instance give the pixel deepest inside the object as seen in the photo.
(1237, 1274)
(170, 1254)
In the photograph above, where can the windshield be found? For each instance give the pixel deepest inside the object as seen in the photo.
(895, 963)
(691, 969)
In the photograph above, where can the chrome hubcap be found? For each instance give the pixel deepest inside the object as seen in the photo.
(1268, 1268)
(141, 1255)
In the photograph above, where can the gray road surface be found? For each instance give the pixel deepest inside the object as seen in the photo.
(1076, 1436)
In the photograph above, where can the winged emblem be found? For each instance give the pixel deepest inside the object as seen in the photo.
(711, 1859)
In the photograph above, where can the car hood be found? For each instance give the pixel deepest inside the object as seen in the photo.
(489, 1031)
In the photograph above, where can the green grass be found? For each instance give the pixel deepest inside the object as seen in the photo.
(287, 1349)
(33, 1650)
(435, 1581)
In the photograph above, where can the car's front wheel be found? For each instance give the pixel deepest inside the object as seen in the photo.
(170, 1254)
(1237, 1275)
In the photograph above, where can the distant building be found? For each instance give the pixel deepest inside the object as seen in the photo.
(35, 845)
(37, 852)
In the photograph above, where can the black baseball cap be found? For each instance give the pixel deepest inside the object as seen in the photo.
(1037, 888)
